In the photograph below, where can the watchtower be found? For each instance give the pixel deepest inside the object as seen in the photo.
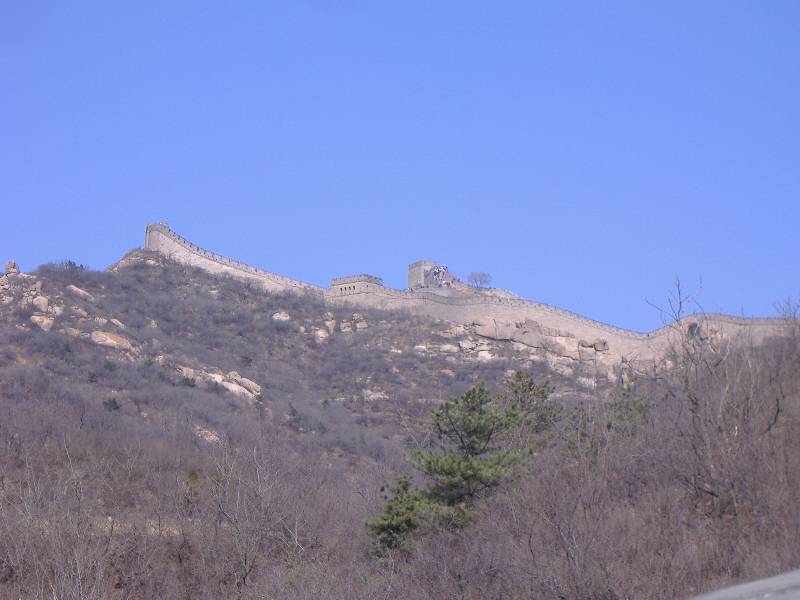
(417, 272)
(355, 284)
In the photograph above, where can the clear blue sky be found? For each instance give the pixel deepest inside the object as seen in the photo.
(585, 154)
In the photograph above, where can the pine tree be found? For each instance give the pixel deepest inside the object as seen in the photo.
(400, 518)
(472, 458)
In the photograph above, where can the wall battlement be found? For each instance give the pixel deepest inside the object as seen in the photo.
(460, 306)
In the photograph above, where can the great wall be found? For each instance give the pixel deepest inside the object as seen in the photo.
(495, 314)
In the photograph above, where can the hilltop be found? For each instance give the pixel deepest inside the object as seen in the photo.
(548, 332)
(153, 327)
(168, 431)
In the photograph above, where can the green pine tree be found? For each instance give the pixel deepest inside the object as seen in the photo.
(400, 518)
(473, 456)
(470, 459)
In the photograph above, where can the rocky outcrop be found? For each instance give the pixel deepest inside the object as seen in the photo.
(11, 268)
(320, 335)
(359, 322)
(110, 340)
(206, 434)
(80, 293)
(562, 351)
(248, 384)
(41, 303)
(598, 345)
(44, 322)
(525, 332)
(242, 387)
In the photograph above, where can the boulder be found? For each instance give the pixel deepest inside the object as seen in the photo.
(281, 315)
(373, 395)
(448, 348)
(467, 345)
(345, 327)
(360, 321)
(237, 389)
(80, 293)
(40, 303)
(208, 435)
(117, 323)
(44, 322)
(249, 385)
(110, 340)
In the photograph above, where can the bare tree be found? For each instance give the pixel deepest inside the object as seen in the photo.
(479, 279)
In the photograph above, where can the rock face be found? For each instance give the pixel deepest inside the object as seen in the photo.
(525, 332)
(563, 349)
(110, 340)
(599, 345)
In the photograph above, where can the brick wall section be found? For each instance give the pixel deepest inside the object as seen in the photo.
(368, 292)
(163, 240)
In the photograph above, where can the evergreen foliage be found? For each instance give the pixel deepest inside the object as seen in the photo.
(400, 518)
(474, 454)
(470, 458)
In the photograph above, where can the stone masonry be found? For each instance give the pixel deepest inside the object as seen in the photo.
(495, 314)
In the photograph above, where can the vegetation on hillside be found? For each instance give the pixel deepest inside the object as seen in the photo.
(120, 477)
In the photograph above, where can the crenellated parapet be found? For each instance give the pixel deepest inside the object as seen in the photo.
(497, 313)
(160, 238)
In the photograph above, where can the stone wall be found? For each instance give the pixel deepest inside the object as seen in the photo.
(160, 238)
(563, 327)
